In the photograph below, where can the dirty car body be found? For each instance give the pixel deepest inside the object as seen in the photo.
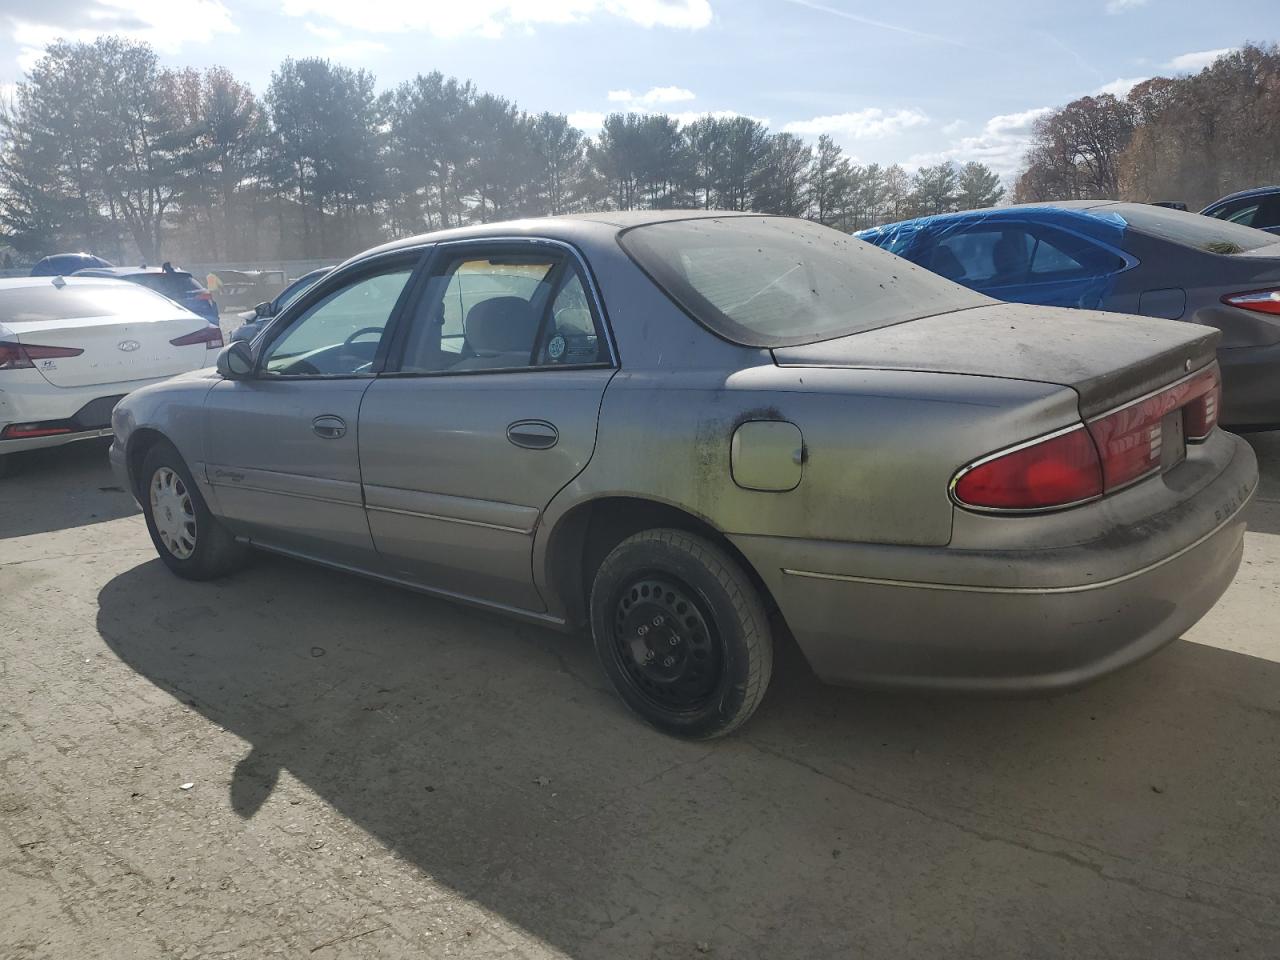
(523, 401)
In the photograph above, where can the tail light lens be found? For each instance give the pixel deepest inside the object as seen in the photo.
(18, 356)
(1259, 301)
(1088, 460)
(15, 431)
(1059, 469)
(209, 335)
(204, 295)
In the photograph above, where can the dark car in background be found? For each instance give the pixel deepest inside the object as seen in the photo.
(1258, 208)
(1124, 258)
(65, 264)
(253, 321)
(178, 285)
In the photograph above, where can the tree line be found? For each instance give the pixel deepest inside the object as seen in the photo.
(1191, 138)
(104, 149)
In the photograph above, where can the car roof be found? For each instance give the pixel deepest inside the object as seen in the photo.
(1084, 216)
(1245, 195)
(13, 283)
(566, 227)
(126, 271)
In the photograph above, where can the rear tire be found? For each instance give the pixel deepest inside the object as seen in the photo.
(681, 633)
(188, 538)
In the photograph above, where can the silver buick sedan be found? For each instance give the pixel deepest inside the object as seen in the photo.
(687, 432)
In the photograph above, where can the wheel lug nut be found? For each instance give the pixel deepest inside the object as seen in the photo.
(644, 628)
(668, 661)
(657, 621)
(674, 641)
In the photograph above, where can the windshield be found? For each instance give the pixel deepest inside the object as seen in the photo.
(775, 281)
(1193, 229)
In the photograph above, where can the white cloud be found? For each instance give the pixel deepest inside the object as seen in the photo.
(1001, 145)
(490, 18)
(1198, 60)
(1120, 6)
(588, 121)
(869, 124)
(167, 25)
(651, 96)
(338, 48)
(1120, 86)
(324, 33)
(691, 116)
(954, 127)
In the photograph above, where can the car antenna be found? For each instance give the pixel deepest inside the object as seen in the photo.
(59, 282)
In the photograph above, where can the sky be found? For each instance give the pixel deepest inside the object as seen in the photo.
(913, 82)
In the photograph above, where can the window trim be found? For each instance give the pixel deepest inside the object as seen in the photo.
(446, 250)
(413, 259)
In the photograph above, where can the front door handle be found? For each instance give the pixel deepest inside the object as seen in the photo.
(533, 434)
(329, 427)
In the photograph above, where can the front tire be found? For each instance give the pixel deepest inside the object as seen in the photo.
(681, 633)
(188, 538)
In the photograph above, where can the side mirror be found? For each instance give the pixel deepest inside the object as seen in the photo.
(263, 310)
(235, 361)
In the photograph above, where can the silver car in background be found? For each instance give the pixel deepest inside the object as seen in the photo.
(684, 431)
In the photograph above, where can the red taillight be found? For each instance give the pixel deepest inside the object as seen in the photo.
(1059, 469)
(1085, 461)
(210, 336)
(1259, 301)
(16, 356)
(16, 430)
(204, 295)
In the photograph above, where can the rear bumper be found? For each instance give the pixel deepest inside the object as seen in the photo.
(90, 421)
(1012, 621)
(1250, 386)
(56, 440)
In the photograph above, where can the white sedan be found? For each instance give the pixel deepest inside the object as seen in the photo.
(71, 348)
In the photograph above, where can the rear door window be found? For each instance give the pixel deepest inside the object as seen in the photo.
(501, 311)
(998, 255)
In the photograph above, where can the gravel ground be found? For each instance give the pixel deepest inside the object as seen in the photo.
(296, 763)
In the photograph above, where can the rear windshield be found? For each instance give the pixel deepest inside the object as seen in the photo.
(172, 285)
(78, 300)
(1192, 229)
(775, 281)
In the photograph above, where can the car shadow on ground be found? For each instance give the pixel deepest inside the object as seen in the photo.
(490, 755)
(61, 487)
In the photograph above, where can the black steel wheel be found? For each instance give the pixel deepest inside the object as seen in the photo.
(665, 642)
(681, 633)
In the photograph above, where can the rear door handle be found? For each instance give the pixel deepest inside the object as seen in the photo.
(329, 427)
(533, 434)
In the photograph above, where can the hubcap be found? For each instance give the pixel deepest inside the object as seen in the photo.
(173, 513)
(665, 643)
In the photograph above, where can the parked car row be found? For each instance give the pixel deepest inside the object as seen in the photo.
(677, 429)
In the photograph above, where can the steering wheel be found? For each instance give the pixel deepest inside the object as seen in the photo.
(360, 333)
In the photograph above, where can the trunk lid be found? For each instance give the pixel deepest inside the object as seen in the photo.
(1107, 358)
(123, 331)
